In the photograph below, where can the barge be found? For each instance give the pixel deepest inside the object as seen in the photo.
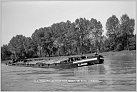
(71, 62)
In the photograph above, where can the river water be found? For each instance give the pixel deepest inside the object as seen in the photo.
(116, 74)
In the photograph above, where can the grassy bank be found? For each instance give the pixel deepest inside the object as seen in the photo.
(119, 53)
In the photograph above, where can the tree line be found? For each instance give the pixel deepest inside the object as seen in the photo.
(70, 38)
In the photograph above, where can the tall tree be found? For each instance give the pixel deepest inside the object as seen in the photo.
(95, 32)
(126, 29)
(30, 48)
(16, 46)
(5, 52)
(39, 38)
(82, 31)
(112, 27)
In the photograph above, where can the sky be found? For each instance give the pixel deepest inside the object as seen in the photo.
(24, 17)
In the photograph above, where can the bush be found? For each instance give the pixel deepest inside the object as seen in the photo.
(132, 44)
(132, 47)
(119, 47)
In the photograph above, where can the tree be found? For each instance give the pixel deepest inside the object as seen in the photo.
(82, 31)
(103, 40)
(59, 31)
(5, 52)
(78, 37)
(30, 48)
(22, 47)
(95, 32)
(41, 40)
(16, 46)
(126, 30)
(112, 27)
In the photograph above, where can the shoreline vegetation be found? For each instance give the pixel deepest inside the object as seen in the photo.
(80, 37)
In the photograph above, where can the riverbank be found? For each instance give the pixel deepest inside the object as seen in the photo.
(119, 53)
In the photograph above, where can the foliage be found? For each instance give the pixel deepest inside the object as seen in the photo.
(96, 33)
(132, 43)
(126, 30)
(119, 47)
(120, 32)
(79, 37)
(112, 25)
(5, 52)
(22, 47)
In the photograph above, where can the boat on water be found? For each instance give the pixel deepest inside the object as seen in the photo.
(70, 62)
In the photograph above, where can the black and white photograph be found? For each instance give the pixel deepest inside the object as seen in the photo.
(65, 45)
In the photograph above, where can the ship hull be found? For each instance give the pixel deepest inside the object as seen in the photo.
(79, 63)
